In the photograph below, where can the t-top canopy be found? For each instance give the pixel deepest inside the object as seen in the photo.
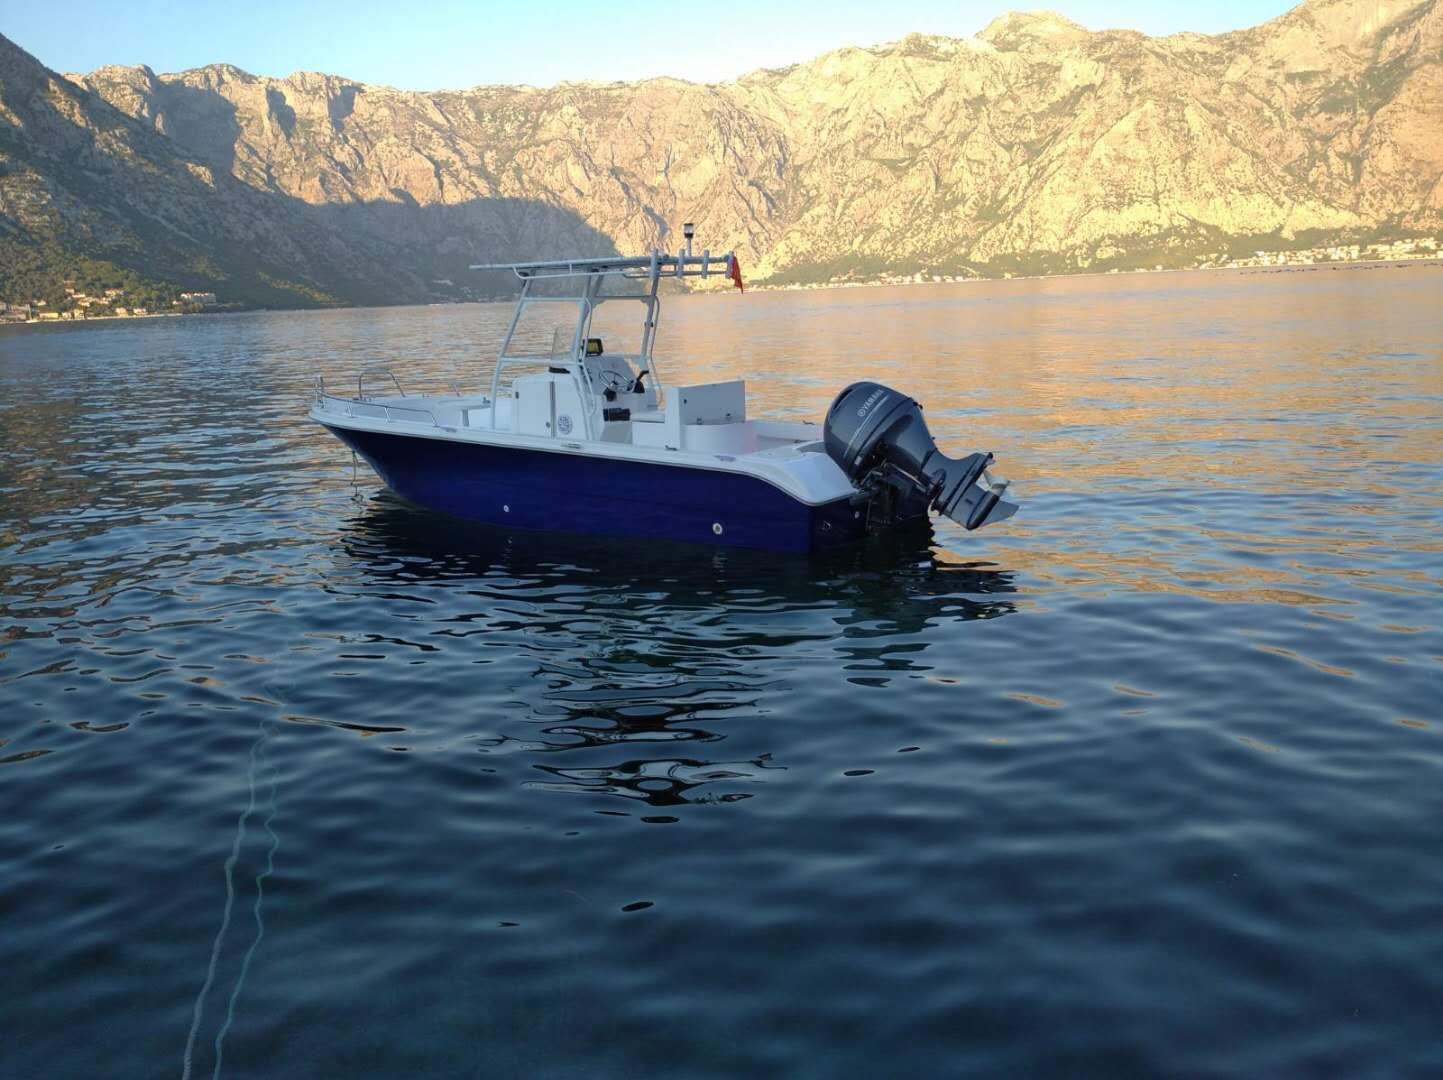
(653, 266)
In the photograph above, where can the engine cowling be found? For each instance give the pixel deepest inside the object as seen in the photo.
(877, 436)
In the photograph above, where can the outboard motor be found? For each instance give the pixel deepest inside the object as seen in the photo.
(881, 442)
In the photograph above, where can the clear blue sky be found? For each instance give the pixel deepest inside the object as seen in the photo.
(447, 44)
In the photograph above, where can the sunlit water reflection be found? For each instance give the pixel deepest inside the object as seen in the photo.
(1145, 780)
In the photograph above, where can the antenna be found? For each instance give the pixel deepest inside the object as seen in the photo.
(688, 230)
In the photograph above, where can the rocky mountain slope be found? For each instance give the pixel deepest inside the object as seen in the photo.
(85, 186)
(1038, 145)
(78, 177)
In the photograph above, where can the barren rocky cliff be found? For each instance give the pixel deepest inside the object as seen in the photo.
(1037, 145)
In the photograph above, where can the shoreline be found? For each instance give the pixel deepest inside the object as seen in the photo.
(1351, 264)
(133, 318)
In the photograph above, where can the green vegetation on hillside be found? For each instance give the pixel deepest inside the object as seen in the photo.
(30, 273)
(1179, 249)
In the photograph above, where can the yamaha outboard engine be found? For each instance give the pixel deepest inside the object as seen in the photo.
(881, 442)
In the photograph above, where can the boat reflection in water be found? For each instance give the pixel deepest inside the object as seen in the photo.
(616, 647)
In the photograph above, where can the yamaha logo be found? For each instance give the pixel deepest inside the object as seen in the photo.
(872, 399)
(563, 424)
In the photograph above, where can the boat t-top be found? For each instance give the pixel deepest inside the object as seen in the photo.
(576, 437)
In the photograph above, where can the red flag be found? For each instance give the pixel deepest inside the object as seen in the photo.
(736, 274)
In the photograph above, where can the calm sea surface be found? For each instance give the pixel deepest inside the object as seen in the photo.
(299, 780)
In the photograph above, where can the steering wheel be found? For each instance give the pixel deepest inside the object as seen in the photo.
(615, 380)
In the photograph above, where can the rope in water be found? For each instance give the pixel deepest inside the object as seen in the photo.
(215, 950)
(260, 924)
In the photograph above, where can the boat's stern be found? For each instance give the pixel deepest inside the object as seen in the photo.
(878, 438)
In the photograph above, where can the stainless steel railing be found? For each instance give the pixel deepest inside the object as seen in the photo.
(361, 379)
(363, 405)
(358, 407)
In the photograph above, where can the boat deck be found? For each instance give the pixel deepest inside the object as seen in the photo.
(473, 413)
(787, 455)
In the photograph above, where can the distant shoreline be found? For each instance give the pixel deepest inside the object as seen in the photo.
(132, 318)
(1349, 264)
(1358, 264)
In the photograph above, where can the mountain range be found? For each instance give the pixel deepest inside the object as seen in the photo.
(1036, 146)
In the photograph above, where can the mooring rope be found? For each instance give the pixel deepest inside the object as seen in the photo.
(260, 923)
(216, 946)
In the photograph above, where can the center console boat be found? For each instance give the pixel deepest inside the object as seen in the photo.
(582, 439)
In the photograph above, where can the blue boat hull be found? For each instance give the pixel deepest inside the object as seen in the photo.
(534, 489)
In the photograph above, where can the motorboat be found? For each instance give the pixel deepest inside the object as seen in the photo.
(578, 437)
